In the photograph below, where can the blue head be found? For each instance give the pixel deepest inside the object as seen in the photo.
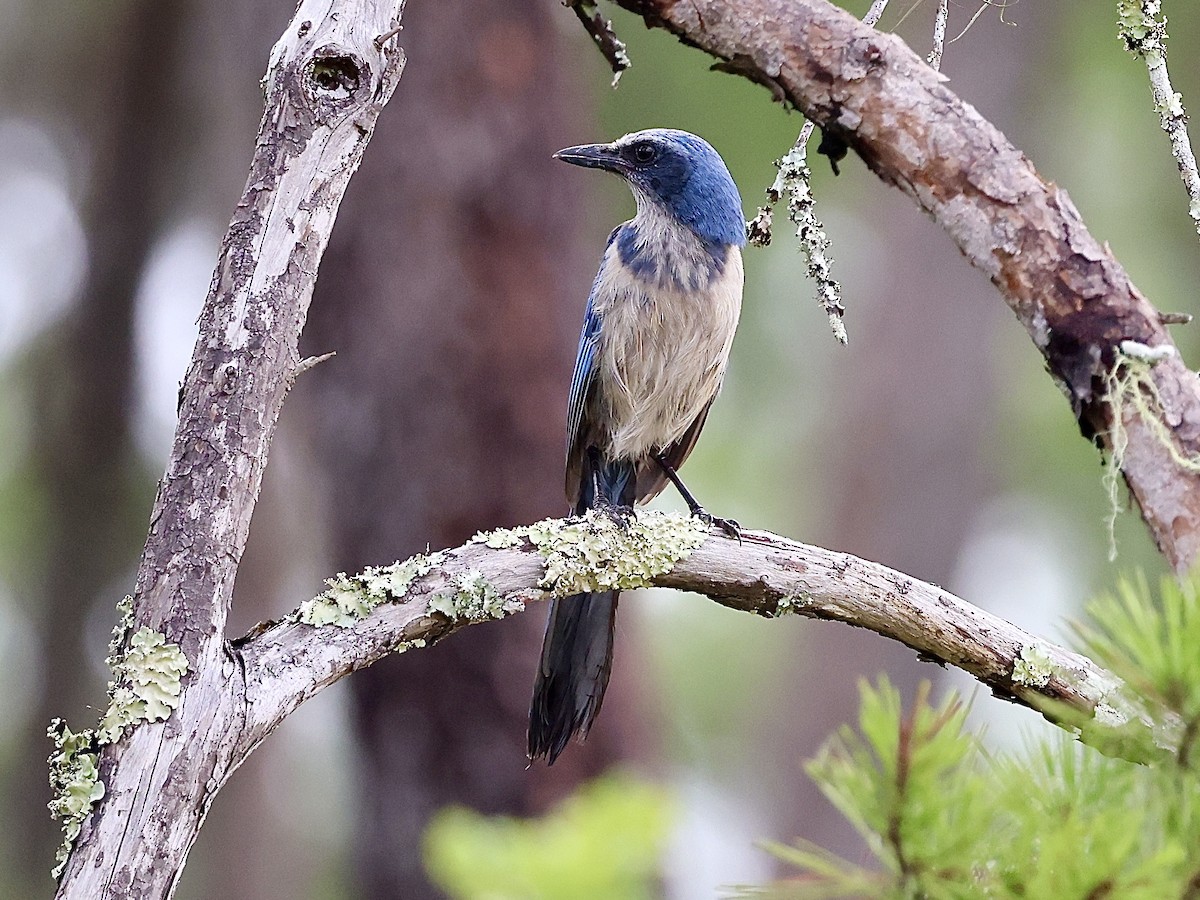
(678, 171)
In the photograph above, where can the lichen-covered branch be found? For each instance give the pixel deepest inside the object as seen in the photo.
(1144, 31)
(1078, 304)
(327, 80)
(794, 181)
(417, 602)
(939, 35)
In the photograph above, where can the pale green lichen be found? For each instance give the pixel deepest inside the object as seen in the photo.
(1130, 391)
(794, 181)
(474, 599)
(116, 643)
(792, 603)
(75, 781)
(350, 598)
(501, 538)
(1033, 667)
(147, 674)
(596, 553)
(147, 681)
(1142, 26)
(1109, 716)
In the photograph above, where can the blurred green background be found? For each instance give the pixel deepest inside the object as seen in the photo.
(934, 442)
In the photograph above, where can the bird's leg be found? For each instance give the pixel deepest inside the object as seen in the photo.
(601, 501)
(729, 526)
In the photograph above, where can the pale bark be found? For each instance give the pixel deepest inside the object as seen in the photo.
(1068, 290)
(325, 87)
(286, 662)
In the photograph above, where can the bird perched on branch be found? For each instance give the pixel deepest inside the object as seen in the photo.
(656, 336)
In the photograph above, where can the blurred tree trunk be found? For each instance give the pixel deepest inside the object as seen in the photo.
(452, 292)
(908, 466)
(115, 85)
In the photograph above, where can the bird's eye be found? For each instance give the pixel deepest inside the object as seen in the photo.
(645, 153)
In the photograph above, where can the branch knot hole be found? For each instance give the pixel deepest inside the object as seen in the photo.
(333, 75)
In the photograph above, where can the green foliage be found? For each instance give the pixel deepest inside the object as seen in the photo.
(604, 841)
(1154, 646)
(947, 820)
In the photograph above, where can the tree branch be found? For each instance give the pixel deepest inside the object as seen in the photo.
(325, 86)
(286, 662)
(1073, 297)
(1144, 30)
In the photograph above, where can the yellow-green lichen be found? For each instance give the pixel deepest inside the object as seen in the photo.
(501, 538)
(792, 602)
(146, 684)
(147, 678)
(1033, 667)
(116, 643)
(350, 598)
(75, 781)
(473, 598)
(1130, 391)
(597, 553)
(1142, 26)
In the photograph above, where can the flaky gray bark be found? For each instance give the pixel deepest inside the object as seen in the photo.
(286, 662)
(1068, 290)
(325, 87)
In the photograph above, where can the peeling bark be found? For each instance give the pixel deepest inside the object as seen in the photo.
(325, 86)
(288, 661)
(872, 92)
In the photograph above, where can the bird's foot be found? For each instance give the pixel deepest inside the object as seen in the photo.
(729, 526)
(620, 516)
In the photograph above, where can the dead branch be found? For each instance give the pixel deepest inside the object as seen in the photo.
(286, 662)
(325, 86)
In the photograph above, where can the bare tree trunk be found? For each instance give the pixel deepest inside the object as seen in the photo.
(328, 78)
(95, 494)
(452, 293)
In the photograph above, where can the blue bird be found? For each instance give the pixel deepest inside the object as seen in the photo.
(656, 336)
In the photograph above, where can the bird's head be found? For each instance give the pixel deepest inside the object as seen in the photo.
(676, 170)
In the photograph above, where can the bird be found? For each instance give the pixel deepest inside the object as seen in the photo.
(655, 343)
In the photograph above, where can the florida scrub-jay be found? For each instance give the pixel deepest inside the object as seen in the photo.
(656, 336)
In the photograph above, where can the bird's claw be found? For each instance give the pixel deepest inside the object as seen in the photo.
(729, 526)
(620, 516)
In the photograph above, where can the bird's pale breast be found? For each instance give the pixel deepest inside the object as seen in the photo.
(668, 328)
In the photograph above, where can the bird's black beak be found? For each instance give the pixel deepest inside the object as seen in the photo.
(593, 156)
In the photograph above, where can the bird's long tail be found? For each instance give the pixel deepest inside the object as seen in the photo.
(577, 650)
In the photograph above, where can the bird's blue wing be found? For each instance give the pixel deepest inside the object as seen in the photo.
(585, 360)
(585, 373)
